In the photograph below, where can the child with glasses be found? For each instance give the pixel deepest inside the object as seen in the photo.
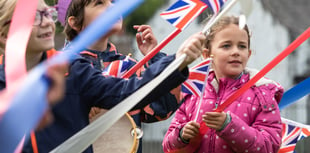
(41, 39)
(86, 87)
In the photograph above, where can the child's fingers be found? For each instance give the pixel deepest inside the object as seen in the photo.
(213, 126)
(144, 28)
(139, 39)
(147, 34)
(141, 28)
(192, 129)
(189, 133)
(136, 27)
(213, 114)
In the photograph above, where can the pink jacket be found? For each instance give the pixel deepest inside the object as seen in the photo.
(255, 117)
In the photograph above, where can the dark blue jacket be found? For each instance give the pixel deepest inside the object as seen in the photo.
(85, 88)
(158, 110)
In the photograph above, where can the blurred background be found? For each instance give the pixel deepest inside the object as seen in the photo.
(274, 25)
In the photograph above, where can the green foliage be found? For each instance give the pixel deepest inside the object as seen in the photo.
(142, 14)
(50, 2)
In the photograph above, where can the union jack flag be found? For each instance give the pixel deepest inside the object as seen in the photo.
(117, 68)
(197, 78)
(292, 132)
(181, 13)
(215, 5)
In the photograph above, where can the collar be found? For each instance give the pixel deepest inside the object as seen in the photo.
(94, 53)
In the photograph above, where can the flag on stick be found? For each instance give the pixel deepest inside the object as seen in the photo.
(117, 68)
(183, 12)
(197, 78)
(180, 14)
(215, 5)
(292, 132)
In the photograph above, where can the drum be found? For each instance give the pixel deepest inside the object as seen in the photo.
(120, 138)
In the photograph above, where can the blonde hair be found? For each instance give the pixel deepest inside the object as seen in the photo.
(6, 11)
(220, 25)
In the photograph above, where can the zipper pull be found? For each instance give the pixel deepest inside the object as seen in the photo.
(217, 102)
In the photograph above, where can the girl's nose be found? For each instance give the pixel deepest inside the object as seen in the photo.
(235, 51)
(46, 21)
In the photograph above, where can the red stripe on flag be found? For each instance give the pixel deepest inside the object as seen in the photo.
(287, 149)
(190, 14)
(296, 130)
(179, 10)
(190, 88)
(196, 76)
(114, 68)
(305, 131)
(283, 129)
(216, 5)
(204, 63)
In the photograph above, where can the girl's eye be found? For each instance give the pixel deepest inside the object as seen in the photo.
(226, 46)
(243, 46)
(99, 2)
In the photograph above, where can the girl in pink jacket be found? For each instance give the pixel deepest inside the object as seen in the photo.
(251, 123)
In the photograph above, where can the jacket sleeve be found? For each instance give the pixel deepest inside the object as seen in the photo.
(172, 140)
(106, 92)
(162, 108)
(165, 106)
(156, 58)
(264, 134)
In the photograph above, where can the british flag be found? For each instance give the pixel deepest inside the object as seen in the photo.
(197, 78)
(183, 12)
(215, 5)
(292, 132)
(117, 68)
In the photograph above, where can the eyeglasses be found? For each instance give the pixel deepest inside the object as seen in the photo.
(50, 13)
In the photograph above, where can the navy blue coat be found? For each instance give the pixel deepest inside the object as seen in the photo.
(85, 88)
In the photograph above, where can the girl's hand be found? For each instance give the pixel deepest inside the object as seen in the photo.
(192, 47)
(190, 130)
(145, 38)
(93, 112)
(214, 120)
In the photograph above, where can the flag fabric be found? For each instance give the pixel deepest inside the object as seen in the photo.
(117, 68)
(215, 5)
(292, 132)
(197, 78)
(182, 12)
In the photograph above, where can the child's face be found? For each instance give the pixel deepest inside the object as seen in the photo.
(42, 36)
(94, 9)
(231, 51)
